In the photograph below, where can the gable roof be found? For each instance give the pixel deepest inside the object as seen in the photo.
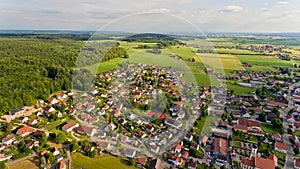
(220, 145)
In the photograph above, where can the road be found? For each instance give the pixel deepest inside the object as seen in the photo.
(289, 161)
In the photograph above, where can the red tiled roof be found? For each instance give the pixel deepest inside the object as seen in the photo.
(220, 145)
(24, 130)
(141, 160)
(282, 146)
(240, 127)
(248, 123)
(276, 103)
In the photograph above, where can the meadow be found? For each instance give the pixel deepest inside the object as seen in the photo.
(30, 163)
(106, 162)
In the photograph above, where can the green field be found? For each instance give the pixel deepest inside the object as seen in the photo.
(221, 61)
(104, 66)
(267, 61)
(239, 89)
(184, 52)
(106, 162)
(268, 129)
(204, 125)
(236, 51)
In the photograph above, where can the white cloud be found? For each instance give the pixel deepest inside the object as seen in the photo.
(233, 8)
(282, 3)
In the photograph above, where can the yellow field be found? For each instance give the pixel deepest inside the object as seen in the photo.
(221, 61)
(30, 163)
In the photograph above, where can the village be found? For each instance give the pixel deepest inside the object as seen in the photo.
(148, 114)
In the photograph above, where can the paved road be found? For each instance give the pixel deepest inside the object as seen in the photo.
(289, 161)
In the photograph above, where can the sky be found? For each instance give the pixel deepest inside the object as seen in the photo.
(267, 16)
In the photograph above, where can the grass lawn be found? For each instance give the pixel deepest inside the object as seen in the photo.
(237, 89)
(204, 125)
(106, 162)
(30, 163)
(268, 129)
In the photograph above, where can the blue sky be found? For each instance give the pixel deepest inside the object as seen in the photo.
(137, 15)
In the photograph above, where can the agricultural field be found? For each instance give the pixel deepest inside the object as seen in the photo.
(104, 66)
(30, 163)
(221, 61)
(102, 162)
(266, 61)
(185, 53)
(132, 47)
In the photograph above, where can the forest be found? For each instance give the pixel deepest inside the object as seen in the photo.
(32, 68)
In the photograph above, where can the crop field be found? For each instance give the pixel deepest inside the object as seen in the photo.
(221, 61)
(268, 61)
(236, 51)
(131, 47)
(30, 163)
(106, 162)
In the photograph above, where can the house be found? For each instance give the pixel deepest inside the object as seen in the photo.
(61, 165)
(296, 163)
(154, 148)
(192, 165)
(248, 123)
(32, 122)
(129, 153)
(175, 160)
(195, 146)
(23, 131)
(177, 148)
(276, 137)
(101, 134)
(281, 147)
(70, 126)
(188, 137)
(23, 119)
(32, 143)
(59, 158)
(4, 157)
(9, 139)
(173, 123)
(141, 160)
(124, 139)
(53, 100)
(256, 162)
(240, 128)
(220, 146)
(149, 128)
(85, 117)
(221, 159)
(89, 131)
(185, 154)
(90, 107)
(110, 127)
(115, 136)
(203, 140)
(103, 145)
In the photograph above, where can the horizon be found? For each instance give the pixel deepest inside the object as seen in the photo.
(223, 16)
